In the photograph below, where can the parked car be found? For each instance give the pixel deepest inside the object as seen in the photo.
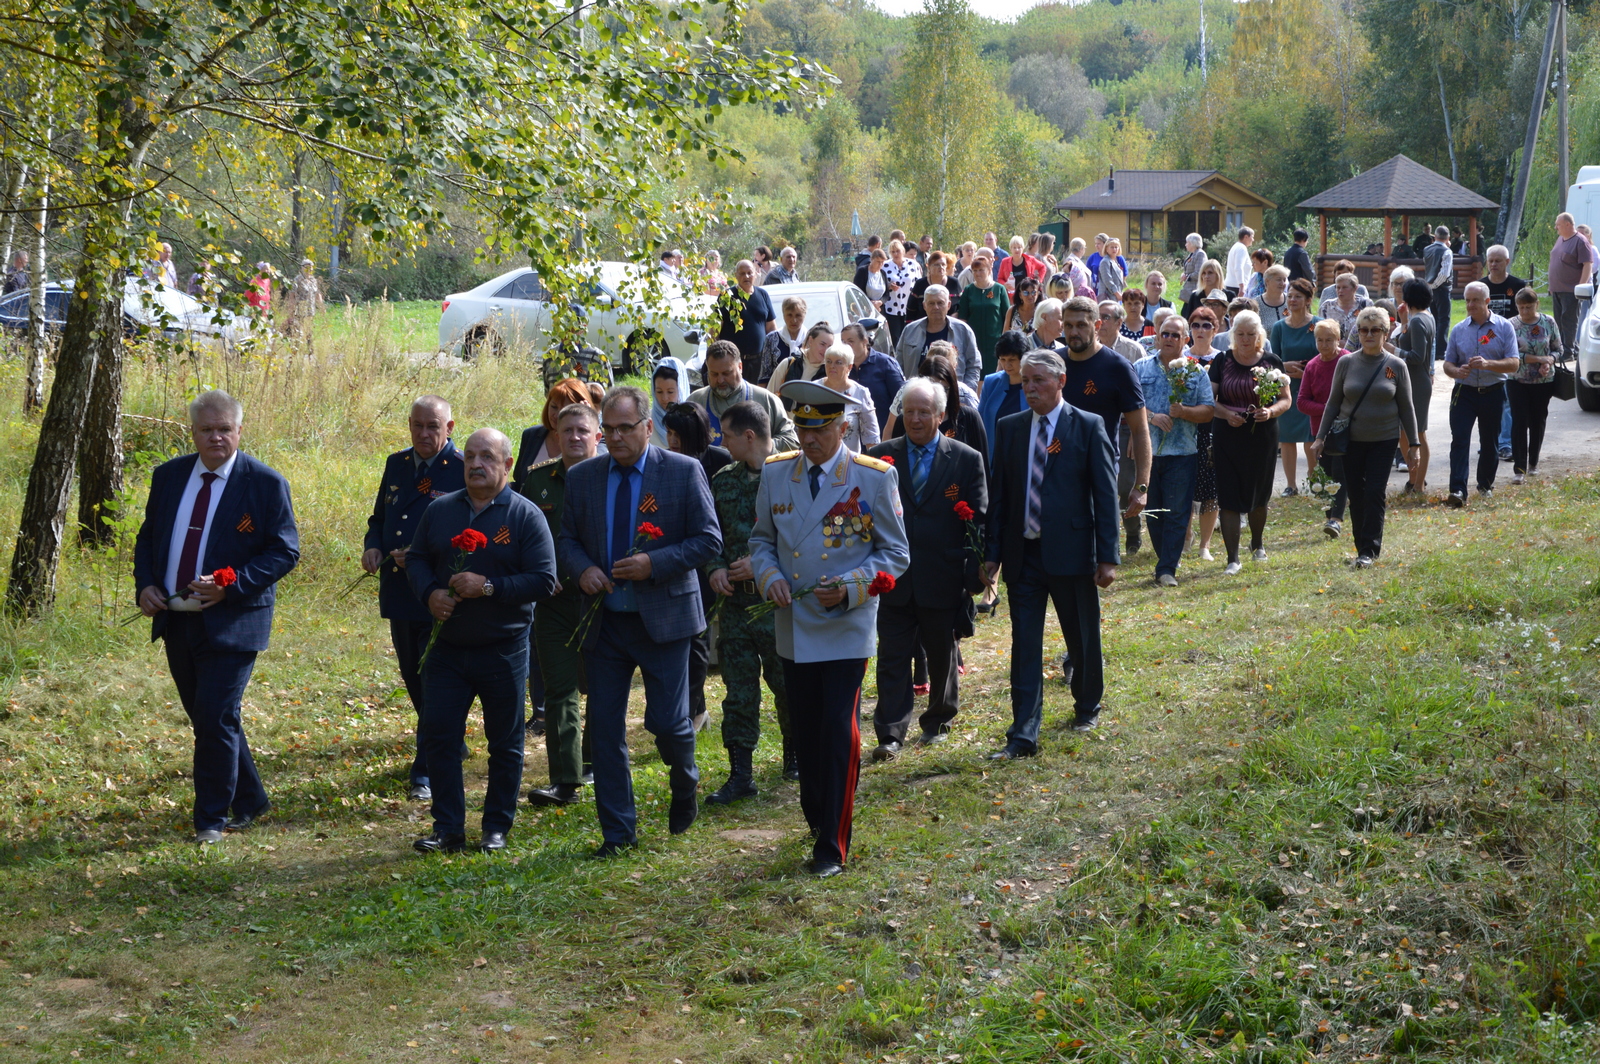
(836, 302)
(513, 311)
(144, 306)
(1588, 367)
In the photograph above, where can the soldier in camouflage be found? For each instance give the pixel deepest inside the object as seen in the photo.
(746, 645)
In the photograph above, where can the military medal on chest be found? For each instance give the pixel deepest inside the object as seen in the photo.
(848, 520)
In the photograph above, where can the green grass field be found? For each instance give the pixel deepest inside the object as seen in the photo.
(1330, 814)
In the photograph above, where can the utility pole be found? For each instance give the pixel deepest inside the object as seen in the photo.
(1541, 88)
(1561, 110)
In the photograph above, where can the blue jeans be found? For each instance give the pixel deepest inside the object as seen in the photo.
(1480, 407)
(625, 645)
(1504, 443)
(1172, 483)
(497, 675)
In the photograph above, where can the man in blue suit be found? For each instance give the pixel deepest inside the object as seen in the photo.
(1053, 522)
(650, 608)
(218, 535)
(412, 478)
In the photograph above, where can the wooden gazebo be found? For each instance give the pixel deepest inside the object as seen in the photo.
(1400, 187)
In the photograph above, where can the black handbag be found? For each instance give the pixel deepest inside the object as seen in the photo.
(1566, 382)
(1337, 442)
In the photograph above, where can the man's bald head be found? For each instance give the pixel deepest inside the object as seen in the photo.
(487, 459)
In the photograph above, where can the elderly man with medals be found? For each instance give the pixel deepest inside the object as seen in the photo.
(829, 533)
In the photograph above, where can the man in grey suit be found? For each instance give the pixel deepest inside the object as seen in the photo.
(827, 522)
(1053, 522)
(637, 524)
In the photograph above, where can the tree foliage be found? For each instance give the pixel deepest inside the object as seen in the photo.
(1056, 89)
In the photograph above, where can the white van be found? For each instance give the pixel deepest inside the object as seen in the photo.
(1583, 203)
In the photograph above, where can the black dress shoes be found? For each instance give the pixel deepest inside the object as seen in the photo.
(886, 751)
(555, 794)
(209, 837)
(588, 775)
(242, 823)
(682, 815)
(824, 869)
(791, 763)
(1013, 752)
(437, 843)
(612, 849)
(492, 842)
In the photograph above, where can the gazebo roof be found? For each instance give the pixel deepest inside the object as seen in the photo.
(1399, 186)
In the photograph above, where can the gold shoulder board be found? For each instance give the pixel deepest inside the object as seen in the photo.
(785, 456)
(872, 463)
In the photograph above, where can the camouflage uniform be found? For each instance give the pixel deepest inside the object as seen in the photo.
(745, 645)
(554, 624)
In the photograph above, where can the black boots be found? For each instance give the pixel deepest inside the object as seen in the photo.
(739, 783)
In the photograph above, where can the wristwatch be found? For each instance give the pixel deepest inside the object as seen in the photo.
(1142, 489)
(488, 589)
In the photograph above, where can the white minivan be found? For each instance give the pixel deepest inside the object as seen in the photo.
(1583, 203)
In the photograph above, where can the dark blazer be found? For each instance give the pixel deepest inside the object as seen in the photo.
(944, 569)
(393, 524)
(1079, 516)
(675, 496)
(1298, 262)
(530, 452)
(253, 532)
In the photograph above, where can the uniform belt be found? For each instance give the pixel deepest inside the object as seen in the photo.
(744, 587)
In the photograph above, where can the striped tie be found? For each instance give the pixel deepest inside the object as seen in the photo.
(1036, 478)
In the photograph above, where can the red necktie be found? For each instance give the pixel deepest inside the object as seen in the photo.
(190, 558)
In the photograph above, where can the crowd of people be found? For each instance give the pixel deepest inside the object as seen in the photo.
(817, 501)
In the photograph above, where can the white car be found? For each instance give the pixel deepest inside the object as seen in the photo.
(168, 310)
(512, 312)
(1588, 367)
(836, 302)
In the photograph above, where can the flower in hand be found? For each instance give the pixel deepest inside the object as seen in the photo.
(225, 577)
(469, 540)
(880, 583)
(963, 511)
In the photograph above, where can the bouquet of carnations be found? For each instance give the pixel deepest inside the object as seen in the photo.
(974, 534)
(880, 583)
(465, 542)
(1181, 375)
(645, 533)
(1270, 385)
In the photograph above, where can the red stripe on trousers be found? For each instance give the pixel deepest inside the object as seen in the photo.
(848, 815)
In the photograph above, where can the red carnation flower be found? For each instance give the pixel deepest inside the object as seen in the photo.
(469, 540)
(880, 583)
(964, 511)
(649, 531)
(225, 577)
(888, 458)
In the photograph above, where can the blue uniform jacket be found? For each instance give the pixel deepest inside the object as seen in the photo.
(395, 515)
(252, 532)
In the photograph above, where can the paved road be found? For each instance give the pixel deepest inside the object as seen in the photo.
(1571, 443)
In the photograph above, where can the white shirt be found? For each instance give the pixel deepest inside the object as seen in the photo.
(1238, 266)
(180, 527)
(1033, 434)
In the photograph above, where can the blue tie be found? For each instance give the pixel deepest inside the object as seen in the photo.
(816, 480)
(622, 516)
(919, 473)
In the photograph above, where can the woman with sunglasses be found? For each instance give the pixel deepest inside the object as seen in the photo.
(1371, 393)
(1202, 331)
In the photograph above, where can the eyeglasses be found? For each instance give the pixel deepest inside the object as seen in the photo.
(618, 430)
(1202, 325)
(1172, 336)
(1371, 330)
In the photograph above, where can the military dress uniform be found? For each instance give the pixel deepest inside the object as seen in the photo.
(746, 644)
(554, 623)
(842, 520)
(405, 491)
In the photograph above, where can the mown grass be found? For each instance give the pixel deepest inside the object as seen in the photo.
(1331, 814)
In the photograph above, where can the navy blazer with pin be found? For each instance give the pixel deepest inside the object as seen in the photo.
(252, 532)
(675, 496)
(1078, 497)
(944, 567)
(393, 525)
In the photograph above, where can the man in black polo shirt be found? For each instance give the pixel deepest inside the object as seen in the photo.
(482, 600)
(1298, 260)
(747, 317)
